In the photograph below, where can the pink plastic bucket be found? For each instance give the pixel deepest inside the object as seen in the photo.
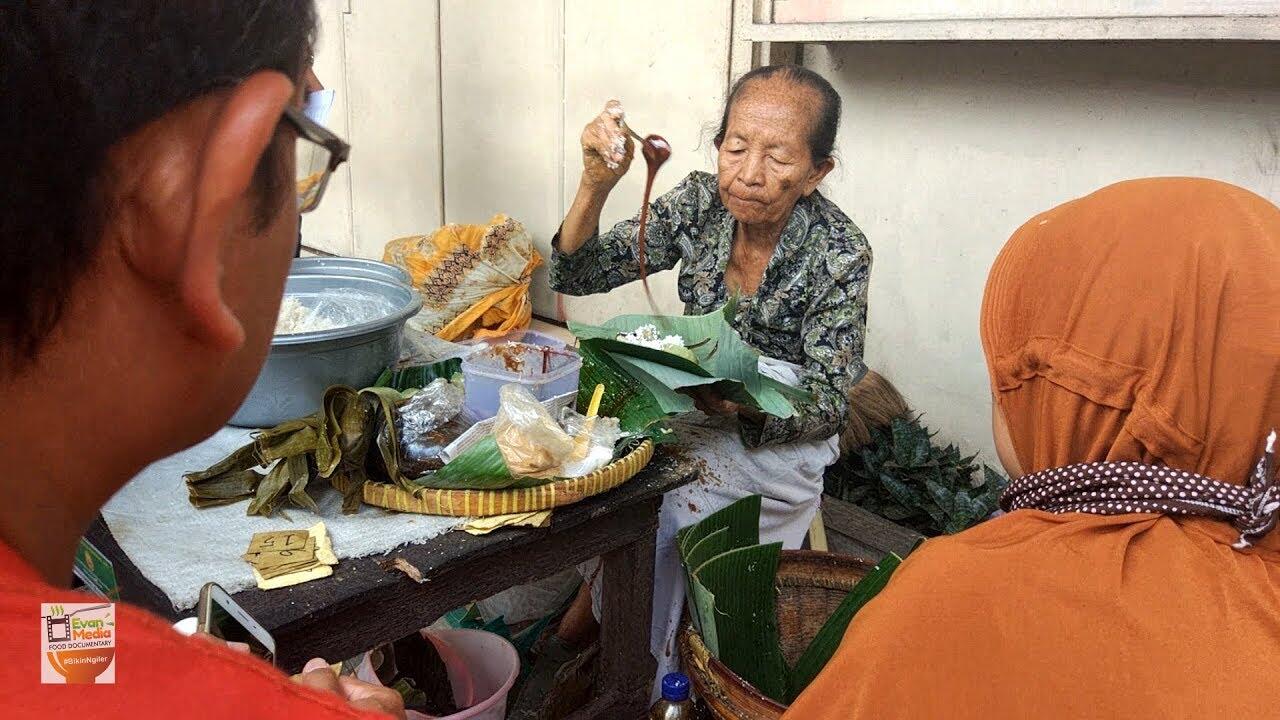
(482, 668)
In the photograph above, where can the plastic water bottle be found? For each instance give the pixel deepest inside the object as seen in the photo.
(675, 703)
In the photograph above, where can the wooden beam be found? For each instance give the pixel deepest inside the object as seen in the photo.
(741, 48)
(863, 534)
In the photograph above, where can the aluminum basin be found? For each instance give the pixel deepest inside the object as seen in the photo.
(348, 266)
(300, 367)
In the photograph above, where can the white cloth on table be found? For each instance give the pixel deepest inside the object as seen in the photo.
(788, 477)
(179, 547)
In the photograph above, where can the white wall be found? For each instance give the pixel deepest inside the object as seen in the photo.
(947, 148)
(520, 80)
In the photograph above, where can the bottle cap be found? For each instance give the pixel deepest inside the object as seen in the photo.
(675, 687)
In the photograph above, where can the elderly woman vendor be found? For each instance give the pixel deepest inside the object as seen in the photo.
(760, 231)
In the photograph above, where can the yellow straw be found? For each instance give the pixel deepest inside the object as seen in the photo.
(582, 443)
(596, 397)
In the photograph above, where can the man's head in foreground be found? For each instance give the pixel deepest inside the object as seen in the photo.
(147, 221)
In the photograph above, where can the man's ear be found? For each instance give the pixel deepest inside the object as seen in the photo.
(233, 147)
(816, 175)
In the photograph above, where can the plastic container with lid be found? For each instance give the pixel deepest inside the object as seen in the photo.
(547, 371)
(531, 337)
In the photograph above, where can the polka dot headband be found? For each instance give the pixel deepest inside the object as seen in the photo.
(1117, 488)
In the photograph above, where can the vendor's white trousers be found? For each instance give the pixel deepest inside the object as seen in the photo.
(789, 477)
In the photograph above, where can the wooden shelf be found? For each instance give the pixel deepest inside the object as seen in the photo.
(1237, 27)
(805, 21)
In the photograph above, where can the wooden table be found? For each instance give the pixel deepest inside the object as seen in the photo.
(363, 604)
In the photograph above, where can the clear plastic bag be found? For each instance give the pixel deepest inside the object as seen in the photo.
(531, 441)
(594, 441)
(329, 310)
(420, 348)
(426, 423)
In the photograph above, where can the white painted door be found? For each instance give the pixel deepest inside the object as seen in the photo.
(383, 58)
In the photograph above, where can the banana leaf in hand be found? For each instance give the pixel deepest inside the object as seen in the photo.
(723, 359)
(639, 403)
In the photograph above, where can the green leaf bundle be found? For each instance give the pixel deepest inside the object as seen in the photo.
(732, 598)
(724, 361)
(902, 475)
(334, 444)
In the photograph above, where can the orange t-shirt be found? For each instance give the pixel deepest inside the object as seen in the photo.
(158, 673)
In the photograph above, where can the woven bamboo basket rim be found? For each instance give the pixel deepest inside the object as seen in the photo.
(815, 568)
(703, 669)
(797, 568)
(481, 503)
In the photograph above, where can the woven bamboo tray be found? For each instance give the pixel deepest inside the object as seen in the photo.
(811, 585)
(479, 503)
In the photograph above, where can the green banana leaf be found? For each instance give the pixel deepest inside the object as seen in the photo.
(730, 528)
(702, 604)
(754, 393)
(824, 644)
(418, 376)
(722, 356)
(635, 405)
(669, 400)
(745, 620)
(479, 467)
(735, 526)
(731, 597)
(707, 548)
(742, 519)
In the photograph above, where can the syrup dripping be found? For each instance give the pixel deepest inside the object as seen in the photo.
(656, 151)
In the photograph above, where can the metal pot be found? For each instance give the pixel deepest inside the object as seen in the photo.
(348, 266)
(300, 367)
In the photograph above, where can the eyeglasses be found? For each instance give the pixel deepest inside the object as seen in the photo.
(319, 153)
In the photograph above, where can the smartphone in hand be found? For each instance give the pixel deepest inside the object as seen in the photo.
(220, 616)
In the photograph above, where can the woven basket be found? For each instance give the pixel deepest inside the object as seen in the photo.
(479, 503)
(811, 586)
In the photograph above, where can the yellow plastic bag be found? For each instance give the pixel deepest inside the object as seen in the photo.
(474, 279)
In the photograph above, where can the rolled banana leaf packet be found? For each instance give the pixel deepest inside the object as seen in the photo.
(351, 440)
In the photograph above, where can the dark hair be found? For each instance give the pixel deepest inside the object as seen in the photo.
(78, 76)
(822, 134)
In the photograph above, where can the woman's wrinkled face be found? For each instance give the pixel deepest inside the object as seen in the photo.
(764, 160)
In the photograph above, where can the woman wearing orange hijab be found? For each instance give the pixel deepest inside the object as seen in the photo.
(1133, 343)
